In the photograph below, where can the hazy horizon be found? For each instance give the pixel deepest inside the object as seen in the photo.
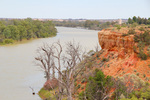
(85, 9)
(63, 18)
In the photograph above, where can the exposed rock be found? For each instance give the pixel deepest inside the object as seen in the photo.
(122, 56)
(113, 41)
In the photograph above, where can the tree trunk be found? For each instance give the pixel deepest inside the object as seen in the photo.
(47, 76)
(69, 97)
(59, 84)
(60, 91)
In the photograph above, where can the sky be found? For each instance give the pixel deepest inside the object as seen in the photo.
(75, 9)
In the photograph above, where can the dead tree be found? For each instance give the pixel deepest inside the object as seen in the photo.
(73, 56)
(57, 51)
(51, 57)
(45, 59)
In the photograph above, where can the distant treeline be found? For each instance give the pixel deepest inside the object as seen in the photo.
(89, 24)
(17, 29)
(139, 20)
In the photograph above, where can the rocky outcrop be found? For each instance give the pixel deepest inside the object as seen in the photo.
(122, 57)
(113, 41)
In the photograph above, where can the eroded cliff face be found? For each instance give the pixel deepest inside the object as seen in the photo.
(122, 59)
(113, 41)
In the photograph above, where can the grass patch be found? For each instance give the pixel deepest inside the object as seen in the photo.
(44, 94)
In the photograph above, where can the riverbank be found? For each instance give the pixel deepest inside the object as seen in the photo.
(23, 41)
(88, 24)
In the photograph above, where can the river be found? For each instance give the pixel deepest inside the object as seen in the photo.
(17, 70)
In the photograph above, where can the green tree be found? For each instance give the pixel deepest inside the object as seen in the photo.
(98, 87)
(118, 27)
(22, 32)
(2, 27)
(14, 32)
(18, 29)
(7, 33)
(134, 19)
(130, 21)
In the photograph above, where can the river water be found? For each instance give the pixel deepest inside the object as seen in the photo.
(17, 70)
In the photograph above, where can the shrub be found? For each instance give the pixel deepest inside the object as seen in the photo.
(147, 79)
(148, 49)
(82, 87)
(134, 24)
(135, 70)
(89, 64)
(107, 60)
(123, 72)
(145, 37)
(141, 28)
(44, 93)
(137, 74)
(75, 79)
(75, 83)
(104, 66)
(136, 38)
(44, 35)
(141, 45)
(99, 82)
(1, 40)
(83, 80)
(148, 53)
(142, 94)
(118, 27)
(123, 25)
(8, 41)
(104, 59)
(131, 31)
(142, 55)
(144, 75)
(124, 34)
(108, 65)
(79, 85)
(98, 58)
(97, 55)
(81, 95)
(134, 48)
(81, 73)
(91, 52)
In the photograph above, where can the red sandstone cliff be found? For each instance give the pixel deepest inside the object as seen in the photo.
(113, 41)
(122, 58)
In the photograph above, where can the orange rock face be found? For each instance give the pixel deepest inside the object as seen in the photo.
(122, 57)
(113, 41)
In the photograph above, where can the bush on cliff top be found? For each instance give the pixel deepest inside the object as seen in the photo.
(145, 37)
(131, 31)
(100, 83)
(142, 55)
